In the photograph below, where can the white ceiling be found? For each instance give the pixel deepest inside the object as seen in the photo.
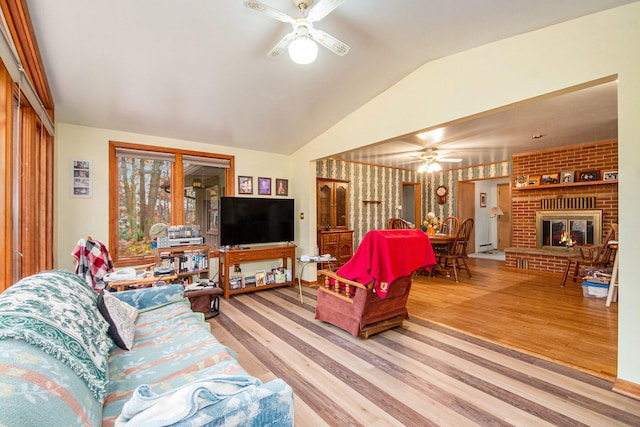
(197, 70)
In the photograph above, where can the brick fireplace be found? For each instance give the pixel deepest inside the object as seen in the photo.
(527, 249)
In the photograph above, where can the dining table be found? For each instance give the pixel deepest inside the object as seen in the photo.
(441, 243)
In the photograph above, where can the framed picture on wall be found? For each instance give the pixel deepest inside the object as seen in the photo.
(609, 175)
(282, 187)
(551, 178)
(245, 185)
(81, 176)
(264, 186)
(533, 180)
(483, 200)
(589, 176)
(566, 176)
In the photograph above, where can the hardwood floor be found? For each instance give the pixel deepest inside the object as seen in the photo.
(490, 351)
(524, 310)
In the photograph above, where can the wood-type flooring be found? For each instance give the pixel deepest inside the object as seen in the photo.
(499, 349)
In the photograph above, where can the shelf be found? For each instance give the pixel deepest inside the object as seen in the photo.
(572, 184)
(372, 201)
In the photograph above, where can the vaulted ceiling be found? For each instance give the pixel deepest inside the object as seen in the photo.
(198, 70)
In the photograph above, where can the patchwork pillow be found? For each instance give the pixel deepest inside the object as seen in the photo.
(121, 317)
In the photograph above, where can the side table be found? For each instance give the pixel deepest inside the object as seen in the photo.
(312, 260)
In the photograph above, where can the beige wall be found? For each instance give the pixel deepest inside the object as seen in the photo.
(79, 218)
(492, 76)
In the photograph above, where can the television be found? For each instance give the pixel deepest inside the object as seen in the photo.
(249, 220)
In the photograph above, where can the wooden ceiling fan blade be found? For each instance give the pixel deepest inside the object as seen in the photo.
(330, 42)
(322, 9)
(268, 10)
(281, 46)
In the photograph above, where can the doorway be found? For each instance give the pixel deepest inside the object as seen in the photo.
(411, 202)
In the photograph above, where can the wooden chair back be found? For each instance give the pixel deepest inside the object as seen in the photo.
(602, 256)
(397, 223)
(459, 248)
(450, 225)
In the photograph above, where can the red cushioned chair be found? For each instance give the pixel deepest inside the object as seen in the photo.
(369, 293)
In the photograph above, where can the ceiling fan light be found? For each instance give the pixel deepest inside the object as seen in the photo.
(422, 168)
(303, 50)
(437, 167)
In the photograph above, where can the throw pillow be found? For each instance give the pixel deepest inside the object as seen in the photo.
(121, 317)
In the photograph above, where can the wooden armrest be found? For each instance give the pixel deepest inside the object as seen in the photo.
(341, 287)
(334, 276)
(587, 251)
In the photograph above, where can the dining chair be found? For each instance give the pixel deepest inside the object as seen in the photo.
(450, 225)
(597, 256)
(457, 255)
(397, 223)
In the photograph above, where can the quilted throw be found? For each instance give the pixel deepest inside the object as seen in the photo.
(57, 312)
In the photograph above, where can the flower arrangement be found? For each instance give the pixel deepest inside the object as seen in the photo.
(431, 221)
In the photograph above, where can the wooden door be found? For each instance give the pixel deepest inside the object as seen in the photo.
(467, 208)
(504, 221)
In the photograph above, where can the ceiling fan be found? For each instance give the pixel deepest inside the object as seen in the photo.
(430, 160)
(300, 40)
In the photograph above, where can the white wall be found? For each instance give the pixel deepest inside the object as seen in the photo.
(79, 218)
(512, 70)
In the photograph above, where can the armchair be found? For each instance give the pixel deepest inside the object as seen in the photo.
(369, 293)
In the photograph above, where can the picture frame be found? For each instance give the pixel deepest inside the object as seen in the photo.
(264, 186)
(483, 200)
(552, 178)
(236, 281)
(245, 185)
(282, 187)
(533, 180)
(566, 176)
(609, 175)
(270, 278)
(589, 176)
(521, 181)
(261, 278)
(81, 179)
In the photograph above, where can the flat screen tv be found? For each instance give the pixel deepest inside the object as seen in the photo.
(248, 220)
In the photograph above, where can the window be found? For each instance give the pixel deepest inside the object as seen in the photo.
(152, 185)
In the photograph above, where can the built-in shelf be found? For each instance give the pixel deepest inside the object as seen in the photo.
(570, 184)
(372, 201)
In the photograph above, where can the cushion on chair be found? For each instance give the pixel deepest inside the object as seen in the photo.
(121, 317)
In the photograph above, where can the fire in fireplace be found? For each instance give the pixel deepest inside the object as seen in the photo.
(564, 229)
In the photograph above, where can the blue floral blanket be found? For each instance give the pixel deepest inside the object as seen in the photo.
(57, 311)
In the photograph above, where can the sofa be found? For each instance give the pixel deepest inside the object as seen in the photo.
(70, 356)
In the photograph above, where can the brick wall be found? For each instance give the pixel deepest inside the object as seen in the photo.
(601, 156)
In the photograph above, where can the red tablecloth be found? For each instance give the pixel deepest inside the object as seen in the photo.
(385, 255)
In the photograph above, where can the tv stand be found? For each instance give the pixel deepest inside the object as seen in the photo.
(229, 257)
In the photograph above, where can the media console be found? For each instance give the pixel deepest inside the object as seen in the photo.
(230, 257)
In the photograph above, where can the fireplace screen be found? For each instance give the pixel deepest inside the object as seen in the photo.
(564, 229)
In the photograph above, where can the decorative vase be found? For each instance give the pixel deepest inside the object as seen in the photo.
(431, 230)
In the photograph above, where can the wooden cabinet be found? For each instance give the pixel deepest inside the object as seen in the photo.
(230, 257)
(338, 243)
(334, 237)
(333, 204)
(186, 261)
